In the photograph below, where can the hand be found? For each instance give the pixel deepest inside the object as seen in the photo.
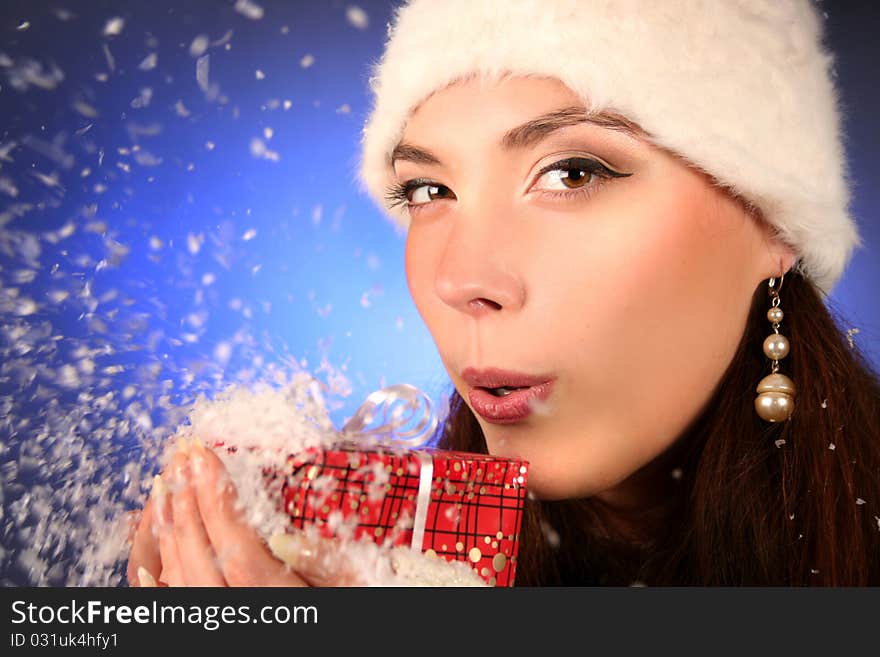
(192, 534)
(144, 541)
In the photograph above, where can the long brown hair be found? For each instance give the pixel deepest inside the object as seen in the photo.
(750, 503)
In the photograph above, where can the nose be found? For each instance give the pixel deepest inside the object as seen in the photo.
(476, 274)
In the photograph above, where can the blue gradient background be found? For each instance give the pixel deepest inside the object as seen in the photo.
(322, 278)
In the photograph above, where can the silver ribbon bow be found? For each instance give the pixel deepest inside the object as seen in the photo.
(409, 426)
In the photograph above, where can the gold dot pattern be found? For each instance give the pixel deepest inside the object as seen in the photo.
(474, 515)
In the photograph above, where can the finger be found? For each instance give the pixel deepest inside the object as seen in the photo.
(193, 544)
(145, 546)
(145, 543)
(172, 571)
(145, 579)
(319, 561)
(244, 558)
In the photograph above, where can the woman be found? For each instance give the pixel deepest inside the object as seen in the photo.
(635, 212)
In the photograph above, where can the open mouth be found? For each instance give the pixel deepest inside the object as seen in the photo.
(508, 404)
(503, 391)
(504, 396)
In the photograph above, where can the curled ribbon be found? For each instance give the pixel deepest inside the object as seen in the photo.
(403, 402)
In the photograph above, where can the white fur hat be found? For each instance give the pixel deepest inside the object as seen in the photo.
(741, 89)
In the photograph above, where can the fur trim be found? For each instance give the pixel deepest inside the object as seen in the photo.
(741, 89)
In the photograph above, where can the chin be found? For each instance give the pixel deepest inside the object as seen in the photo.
(554, 473)
(550, 486)
(546, 479)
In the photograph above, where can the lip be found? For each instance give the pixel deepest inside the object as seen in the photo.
(511, 408)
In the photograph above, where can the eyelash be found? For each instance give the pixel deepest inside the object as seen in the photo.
(398, 193)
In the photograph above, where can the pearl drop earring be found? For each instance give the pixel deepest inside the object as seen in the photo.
(775, 401)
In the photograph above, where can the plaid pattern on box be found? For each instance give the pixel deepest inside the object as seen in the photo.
(471, 508)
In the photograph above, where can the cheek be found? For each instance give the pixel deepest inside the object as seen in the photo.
(678, 308)
(660, 285)
(416, 257)
(422, 254)
(649, 314)
(690, 289)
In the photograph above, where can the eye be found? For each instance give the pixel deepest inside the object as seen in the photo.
(570, 178)
(575, 174)
(415, 193)
(426, 193)
(573, 177)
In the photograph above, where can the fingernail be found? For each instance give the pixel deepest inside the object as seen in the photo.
(197, 455)
(159, 490)
(183, 445)
(159, 494)
(181, 465)
(145, 578)
(287, 547)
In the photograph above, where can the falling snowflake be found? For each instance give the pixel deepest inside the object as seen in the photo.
(199, 45)
(357, 17)
(249, 9)
(194, 242)
(849, 336)
(550, 534)
(134, 267)
(114, 26)
(259, 149)
(149, 62)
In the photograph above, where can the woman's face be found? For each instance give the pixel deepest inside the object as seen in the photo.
(631, 292)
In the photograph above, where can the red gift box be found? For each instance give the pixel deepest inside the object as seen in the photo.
(455, 505)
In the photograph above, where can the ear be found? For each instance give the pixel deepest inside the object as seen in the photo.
(783, 258)
(777, 257)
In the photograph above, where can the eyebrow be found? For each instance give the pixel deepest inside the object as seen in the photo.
(532, 131)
